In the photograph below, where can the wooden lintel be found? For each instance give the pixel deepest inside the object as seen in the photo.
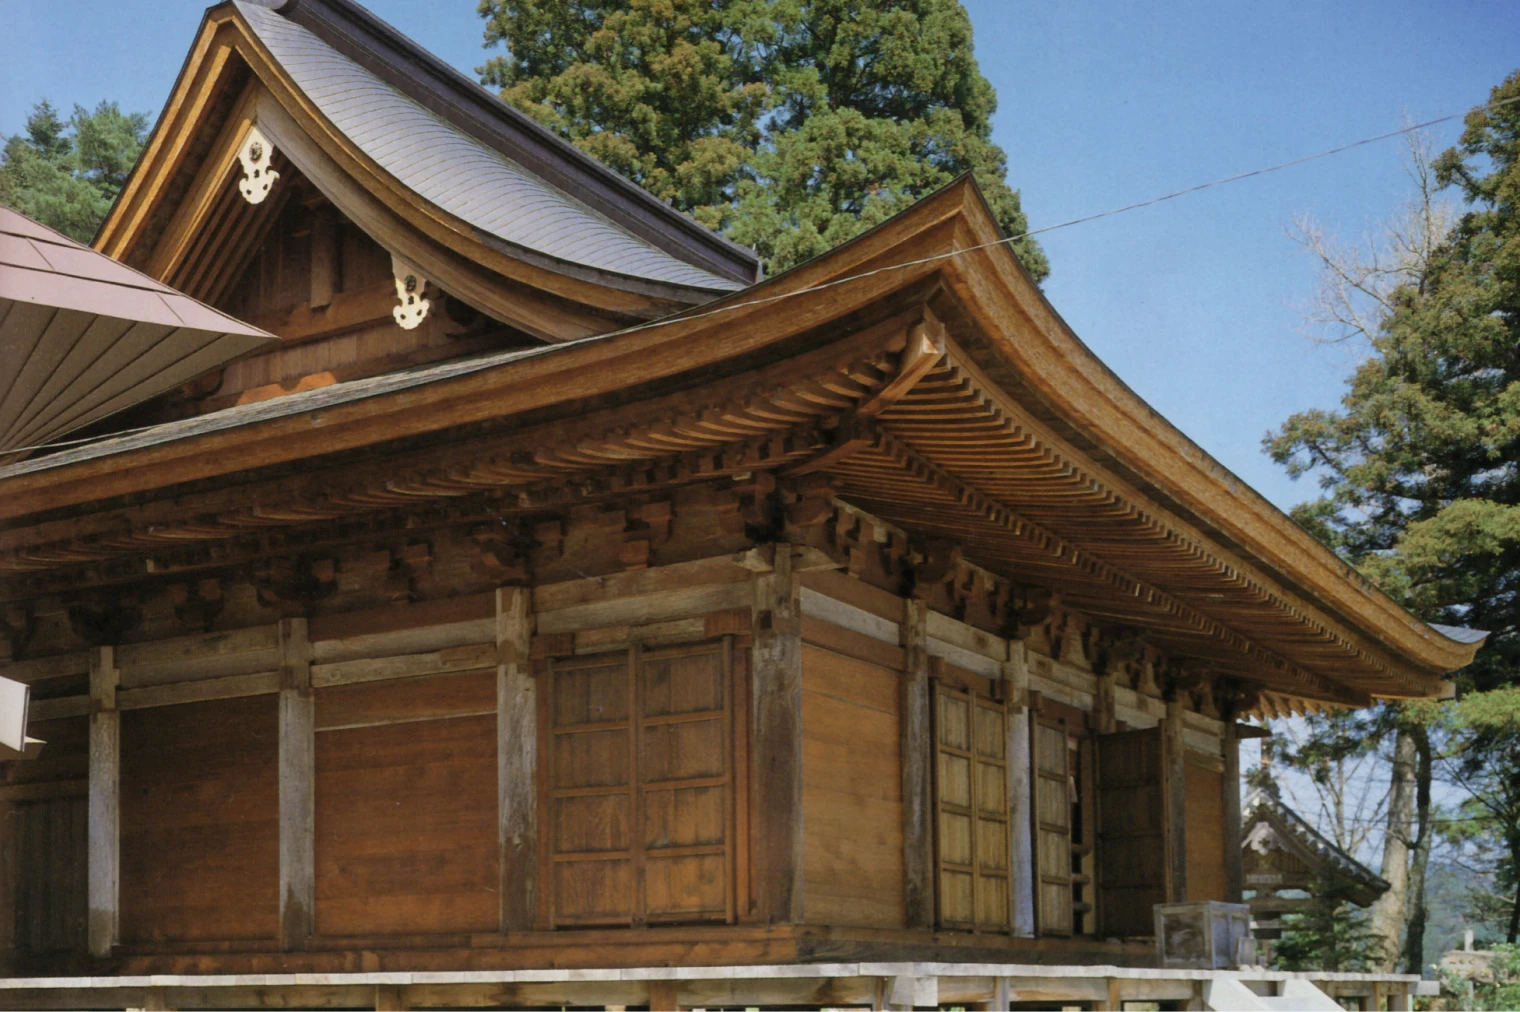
(516, 759)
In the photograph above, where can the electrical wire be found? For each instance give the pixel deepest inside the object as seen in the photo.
(1006, 240)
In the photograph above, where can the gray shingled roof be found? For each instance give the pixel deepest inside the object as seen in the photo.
(1262, 806)
(456, 172)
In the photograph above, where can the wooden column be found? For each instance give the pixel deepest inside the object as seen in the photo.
(104, 833)
(1234, 875)
(1175, 771)
(776, 702)
(917, 773)
(662, 996)
(297, 786)
(1104, 720)
(516, 759)
(1020, 802)
(390, 998)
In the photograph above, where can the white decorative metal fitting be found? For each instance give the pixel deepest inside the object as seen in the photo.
(409, 288)
(258, 177)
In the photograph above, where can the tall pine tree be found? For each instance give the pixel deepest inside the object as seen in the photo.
(1420, 469)
(66, 173)
(791, 125)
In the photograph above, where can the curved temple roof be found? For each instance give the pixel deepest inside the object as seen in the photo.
(458, 172)
(82, 336)
(1003, 434)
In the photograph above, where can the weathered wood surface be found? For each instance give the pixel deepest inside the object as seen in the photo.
(104, 804)
(917, 751)
(852, 795)
(200, 823)
(517, 759)
(1174, 778)
(777, 764)
(297, 785)
(1230, 785)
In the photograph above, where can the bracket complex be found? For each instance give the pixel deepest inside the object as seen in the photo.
(258, 177)
(409, 287)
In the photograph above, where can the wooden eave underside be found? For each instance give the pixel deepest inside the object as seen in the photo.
(950, 454)
(552, 300)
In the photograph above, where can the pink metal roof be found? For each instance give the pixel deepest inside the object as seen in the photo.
(82, 336)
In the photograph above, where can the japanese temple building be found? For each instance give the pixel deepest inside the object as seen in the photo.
(560, 613)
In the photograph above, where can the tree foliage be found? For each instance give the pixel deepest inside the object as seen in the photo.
(791, 125)
(66, 173)
(1420, 468)
(1328, 933)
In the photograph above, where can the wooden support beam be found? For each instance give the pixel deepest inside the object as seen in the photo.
(1020, 801)
(1104, 721)
(662, 996)
(776, 759)
(1234, 874)
(1174, 763)
(516, 759)
(390, 998)
(104, 826)
(917, 774)
(297, 762)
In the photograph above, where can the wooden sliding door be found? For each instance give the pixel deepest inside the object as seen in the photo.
(971, 798)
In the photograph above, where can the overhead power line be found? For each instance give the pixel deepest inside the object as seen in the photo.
(1006, 240)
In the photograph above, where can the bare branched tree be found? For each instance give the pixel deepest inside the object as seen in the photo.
(1357, 280)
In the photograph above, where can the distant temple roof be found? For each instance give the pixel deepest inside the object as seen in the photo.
(1271, 831)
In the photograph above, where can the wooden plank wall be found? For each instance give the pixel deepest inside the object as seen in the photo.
(406, 806)
(52, 898)
(1208, 877)
(408, 772)
(199, 822)
(851, 791)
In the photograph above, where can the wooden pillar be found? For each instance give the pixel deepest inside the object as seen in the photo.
(1398, 998)
(390, 998)
(1104, 719)
(516, 759)
(156, 1000)
(776, 702)
(298, 773)
(917, 749)
(1174, 765)
(662, 996)
(1234, 875)
(1020, 801)
(104, 833)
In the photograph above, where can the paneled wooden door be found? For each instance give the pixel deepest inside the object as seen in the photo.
(639, 795)
(971, 795)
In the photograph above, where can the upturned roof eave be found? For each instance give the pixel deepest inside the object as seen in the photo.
(1107, 400)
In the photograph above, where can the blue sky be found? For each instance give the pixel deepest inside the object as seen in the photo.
(1196, 303)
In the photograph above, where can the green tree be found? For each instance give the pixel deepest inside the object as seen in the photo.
(1328, 933)
(1420, 469)
(791, 125)
(65, 174)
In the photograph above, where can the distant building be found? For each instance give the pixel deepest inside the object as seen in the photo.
(1282, 853)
